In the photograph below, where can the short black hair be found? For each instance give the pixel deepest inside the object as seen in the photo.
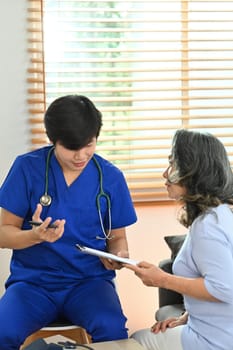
(73, 121)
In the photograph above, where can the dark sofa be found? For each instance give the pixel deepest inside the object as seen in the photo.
(170, 302)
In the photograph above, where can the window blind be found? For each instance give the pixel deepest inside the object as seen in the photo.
(151, 67)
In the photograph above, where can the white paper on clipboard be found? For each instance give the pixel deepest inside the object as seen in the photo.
(102, 254)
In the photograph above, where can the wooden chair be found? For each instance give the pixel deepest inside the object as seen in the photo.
(60, 327)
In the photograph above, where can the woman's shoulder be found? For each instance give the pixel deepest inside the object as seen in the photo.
(216, 214)
(215, 220)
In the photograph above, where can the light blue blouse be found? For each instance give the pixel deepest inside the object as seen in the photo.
(208, 253)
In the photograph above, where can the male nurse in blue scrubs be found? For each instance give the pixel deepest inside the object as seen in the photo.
(87, 201)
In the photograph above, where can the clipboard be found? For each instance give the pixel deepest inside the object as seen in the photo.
(103, 254)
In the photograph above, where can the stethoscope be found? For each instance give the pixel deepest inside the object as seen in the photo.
(46, 199)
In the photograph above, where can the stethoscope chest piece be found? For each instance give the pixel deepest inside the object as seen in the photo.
(45, 200)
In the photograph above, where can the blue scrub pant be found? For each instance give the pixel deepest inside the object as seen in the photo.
(92, 304)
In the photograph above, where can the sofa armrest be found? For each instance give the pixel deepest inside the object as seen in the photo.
(166, 265)
(166, 296)
(167, 311)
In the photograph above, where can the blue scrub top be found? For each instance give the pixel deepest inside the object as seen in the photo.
(60, 262)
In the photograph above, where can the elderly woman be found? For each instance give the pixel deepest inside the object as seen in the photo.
(200, 177)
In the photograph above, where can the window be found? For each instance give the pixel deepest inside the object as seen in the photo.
(151, 67)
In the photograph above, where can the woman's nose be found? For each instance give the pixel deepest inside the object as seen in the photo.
(165, 173)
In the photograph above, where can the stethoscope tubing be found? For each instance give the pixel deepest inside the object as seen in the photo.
(46, 199)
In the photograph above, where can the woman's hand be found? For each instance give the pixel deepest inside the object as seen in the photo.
(171, 322)
(152, 275)
(149, 274)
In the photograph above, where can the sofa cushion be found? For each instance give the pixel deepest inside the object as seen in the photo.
(168, 311)
(174, 243)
